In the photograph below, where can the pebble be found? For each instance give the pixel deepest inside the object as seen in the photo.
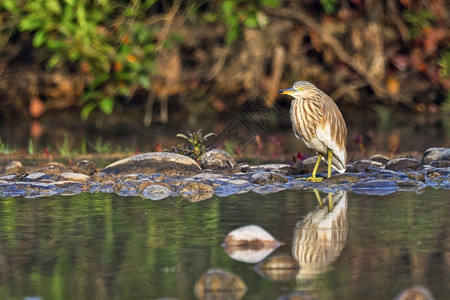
(217, 160)
(402, 164)
(157, 176)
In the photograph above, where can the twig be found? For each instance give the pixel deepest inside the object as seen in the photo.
(299, 15)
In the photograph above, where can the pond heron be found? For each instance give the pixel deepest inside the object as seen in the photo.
(318, 122)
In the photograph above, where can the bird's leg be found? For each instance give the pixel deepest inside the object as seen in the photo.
(330, 202)
(318, 197)
(330, 157)
(313, 177)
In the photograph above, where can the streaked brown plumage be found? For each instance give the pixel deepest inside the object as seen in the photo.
(318, 122)
(321, 235)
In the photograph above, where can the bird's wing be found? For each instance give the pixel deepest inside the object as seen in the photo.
(333, 133)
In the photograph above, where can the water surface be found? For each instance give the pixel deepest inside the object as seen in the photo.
(98, 246)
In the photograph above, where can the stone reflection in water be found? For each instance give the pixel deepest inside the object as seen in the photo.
(250, 244)
(218, 284)
(320, 237)
(282, 267)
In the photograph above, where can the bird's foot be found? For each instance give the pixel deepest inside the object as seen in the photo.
(315, 179)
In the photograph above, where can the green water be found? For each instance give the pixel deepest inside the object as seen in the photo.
(103, 246)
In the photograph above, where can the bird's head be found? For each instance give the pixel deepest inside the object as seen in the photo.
(301, 89)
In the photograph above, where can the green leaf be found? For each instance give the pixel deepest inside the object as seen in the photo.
(227, 7)
(180, 135)
(144, 80)
(106, 105)
(270, 3)
(11, 5)
(87, 109)
(40, 38)
(101, 78)
(30, 23)
(251, 22)
(54, 60)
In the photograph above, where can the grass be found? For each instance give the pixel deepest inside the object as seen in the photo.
(4, 148)
(64, 149)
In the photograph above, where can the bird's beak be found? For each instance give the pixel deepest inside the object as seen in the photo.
(286, 91)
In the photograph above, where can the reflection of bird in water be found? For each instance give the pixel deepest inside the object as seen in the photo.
(320, 237)
(318, 122)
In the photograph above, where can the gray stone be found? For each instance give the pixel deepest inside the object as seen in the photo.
(416, 176)
(343, 178)
(86, 167)
(296, 167)
(415, 292)
(375, 187)
(78, 177)
(268, 189)
(365, 165)
(403, 164)
(272, 167)
(310, 162)
(37, 176)
(263, 178)
(155, 192)
(380, 158)
(410, 185)
(196, 187)
(54, 168)
(13, 167)
(170, 164)
(195, 191)
(440, 164)
(435, 154)
(217, 160)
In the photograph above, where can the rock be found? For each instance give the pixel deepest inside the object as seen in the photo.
(78, 177)
(250, 244)
(282, 267)
(86, 167)
(410, 185)
(195, 191)
(435, 154)
(263, 178)
(403, 164)
(296, 167)
(268, 189)
(380, 158)
(37, 176)
(13, 167)
(217, 160)
(156, 192)
(219, 284)
(375, 187)
(103, 177)
(365, 165)
(310, 162)
(10, 177)
(170, 164)
(142, 185)
(234, 186)
(127, 188)
(440, 164)
(343, 178)
(273, 167)
(415, 293)
(416, 176)
(54, 168)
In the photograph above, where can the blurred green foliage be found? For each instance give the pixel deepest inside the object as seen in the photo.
(329, 6)
(418, 20)
(109, 40)
(114, 42)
